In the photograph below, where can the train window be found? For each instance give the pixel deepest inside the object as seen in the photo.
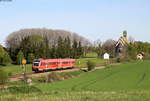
(52, 63)
(65, 62)
(36, 63)
(43, 64)
(49, 63)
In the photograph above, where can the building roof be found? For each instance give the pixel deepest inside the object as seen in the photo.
(123, 41)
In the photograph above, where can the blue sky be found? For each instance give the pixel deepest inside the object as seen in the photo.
(93, 19)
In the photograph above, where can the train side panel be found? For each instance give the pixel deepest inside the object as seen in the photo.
(47, 64)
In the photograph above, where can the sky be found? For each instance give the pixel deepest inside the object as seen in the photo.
(93, 19)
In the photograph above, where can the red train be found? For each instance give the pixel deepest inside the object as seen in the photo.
(51, 64)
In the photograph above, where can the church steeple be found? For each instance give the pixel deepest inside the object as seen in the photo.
(125, 33)
(121, 44)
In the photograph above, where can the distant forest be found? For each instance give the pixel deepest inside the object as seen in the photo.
(45, 43)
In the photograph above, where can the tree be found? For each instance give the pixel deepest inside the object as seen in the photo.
(68, 47)
(34, 44)
(74, 49)
(131, 51)
(79, 50)
(60, 48)
(47, 48)
(98, 47)
(109, 47)
(30, 57)
(20, 56)
(53, 51)
(4, 56)
(43, 42)
(29, 40)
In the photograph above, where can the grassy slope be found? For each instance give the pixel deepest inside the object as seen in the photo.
(128, 76)
(125, 82)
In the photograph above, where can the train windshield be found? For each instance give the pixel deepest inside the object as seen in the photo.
(36, 63)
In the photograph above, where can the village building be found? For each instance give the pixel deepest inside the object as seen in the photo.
(139, 56)
(121, 44)
(106, 56)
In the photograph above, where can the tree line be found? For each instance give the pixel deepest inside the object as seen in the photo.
(39, 48)
(44, 43)
(29, 44)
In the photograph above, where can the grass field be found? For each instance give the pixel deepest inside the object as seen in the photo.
(82, 62)
(16, 69)
(124, 82)
(124, 77)
(91, 55)
(78, 96)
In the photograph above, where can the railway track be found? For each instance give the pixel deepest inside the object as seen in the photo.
(18, 77)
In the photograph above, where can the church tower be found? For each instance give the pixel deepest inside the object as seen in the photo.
(125, 34)
(121, 43)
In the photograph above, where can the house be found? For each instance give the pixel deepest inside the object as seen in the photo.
(106, 56)
(139, 56)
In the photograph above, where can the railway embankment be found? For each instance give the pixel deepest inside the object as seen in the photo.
(18, 77)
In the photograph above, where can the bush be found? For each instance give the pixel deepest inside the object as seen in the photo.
(4, 56)
(55, 76)
(20, 56)
(3, 77)
(146, 56)
(10, 74)
(30, 58)
(90, 65)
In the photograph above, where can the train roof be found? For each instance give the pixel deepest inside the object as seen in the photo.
(53, 60)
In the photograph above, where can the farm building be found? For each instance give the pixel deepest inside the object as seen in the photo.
(106, 56)
(140, 56)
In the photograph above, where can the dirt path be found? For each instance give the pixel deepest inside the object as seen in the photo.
(32, 75)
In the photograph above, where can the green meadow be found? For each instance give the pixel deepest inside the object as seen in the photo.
(124, 77)
(16, 69)
(121, 82)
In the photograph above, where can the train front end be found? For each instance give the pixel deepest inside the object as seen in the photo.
(36, 65)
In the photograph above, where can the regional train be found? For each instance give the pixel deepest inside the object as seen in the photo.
(52, 64)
